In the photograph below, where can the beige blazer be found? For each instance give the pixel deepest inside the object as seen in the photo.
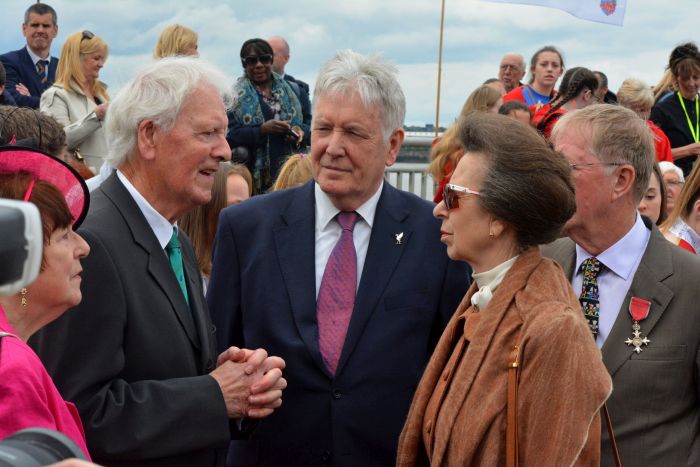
(72, 109)
(563, 382)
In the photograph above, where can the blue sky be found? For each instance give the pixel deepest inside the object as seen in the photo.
(477, 34)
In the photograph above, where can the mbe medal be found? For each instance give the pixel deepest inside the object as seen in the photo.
(639, 309)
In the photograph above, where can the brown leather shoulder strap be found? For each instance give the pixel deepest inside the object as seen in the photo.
(613, 441)
(512, 408)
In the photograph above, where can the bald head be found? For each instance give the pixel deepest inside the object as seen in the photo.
(512, 70)
(280, 49)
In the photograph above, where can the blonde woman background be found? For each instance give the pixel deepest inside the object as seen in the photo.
(176, 40)
(78, 100)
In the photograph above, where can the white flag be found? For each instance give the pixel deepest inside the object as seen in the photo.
(601, 11)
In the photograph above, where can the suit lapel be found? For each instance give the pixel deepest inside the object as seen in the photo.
(158, 265)
(295, 245)
(383, 255)
(654, 267)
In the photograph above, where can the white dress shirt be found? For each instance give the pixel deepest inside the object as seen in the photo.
(327, 231)
(161, 227)
(621, 261)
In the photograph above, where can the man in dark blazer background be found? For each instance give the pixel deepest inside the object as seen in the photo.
(655, 404)
(31, 70)
(353, 366)
(280, 48)
(137, 356)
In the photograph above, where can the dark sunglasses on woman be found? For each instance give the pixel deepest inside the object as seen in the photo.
(251, 60)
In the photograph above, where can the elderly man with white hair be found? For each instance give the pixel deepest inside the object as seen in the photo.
(511, 70)
(344, 277)
(137, 356)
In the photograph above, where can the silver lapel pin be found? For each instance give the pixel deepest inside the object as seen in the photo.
(399, 238)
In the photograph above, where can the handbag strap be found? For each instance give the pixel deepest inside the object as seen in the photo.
(512, 408)
(613, 441)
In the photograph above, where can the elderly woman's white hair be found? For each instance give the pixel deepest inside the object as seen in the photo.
(666, 166)
(372, 77)
(157, 92)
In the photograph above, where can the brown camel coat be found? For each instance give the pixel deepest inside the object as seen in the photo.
(563, 382)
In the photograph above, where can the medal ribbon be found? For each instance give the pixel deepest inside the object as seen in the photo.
(639, 308)
(693, 131)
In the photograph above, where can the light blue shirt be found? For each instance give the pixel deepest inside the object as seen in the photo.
(161, 227)
(327, 231)
(621, 261)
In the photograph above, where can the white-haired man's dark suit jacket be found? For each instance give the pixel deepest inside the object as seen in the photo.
(133, 356)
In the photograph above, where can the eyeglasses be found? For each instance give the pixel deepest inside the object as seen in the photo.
(450, 194)
(589, 164)
(675, 183)
(251, 60)
(87, 35)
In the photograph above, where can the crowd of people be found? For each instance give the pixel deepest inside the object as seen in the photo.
(200, 266)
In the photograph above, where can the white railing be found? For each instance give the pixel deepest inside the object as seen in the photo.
(411, 177)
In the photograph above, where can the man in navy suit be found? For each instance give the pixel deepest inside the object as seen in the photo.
(280, 58)
(354, 357)
(31, 70)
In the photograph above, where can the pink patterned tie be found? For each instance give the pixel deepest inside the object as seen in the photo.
(336, 296)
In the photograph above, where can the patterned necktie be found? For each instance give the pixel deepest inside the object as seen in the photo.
(41, 70)
(589, 299)
(175, 256)
(336, 295)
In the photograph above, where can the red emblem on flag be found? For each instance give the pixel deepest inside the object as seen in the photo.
(608, 7)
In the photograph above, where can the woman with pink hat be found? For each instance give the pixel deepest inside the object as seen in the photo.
(29, 397)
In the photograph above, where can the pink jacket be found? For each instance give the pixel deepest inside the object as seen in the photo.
(28, 397)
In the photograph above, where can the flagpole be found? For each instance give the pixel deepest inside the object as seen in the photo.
(437, 106)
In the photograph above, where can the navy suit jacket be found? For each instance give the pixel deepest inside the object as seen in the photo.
(262, 293)
(20, 69)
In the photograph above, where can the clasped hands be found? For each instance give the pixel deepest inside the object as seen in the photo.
(250, 381)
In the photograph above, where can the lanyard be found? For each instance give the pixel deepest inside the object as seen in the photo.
(693, 131)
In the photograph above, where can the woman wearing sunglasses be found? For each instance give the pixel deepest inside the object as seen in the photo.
(266, 119)
(507, 195)
(78, 100)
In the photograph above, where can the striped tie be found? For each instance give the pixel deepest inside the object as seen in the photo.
(41, 70)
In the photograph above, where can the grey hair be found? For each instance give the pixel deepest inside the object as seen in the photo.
(616, 134)
(372, 77)
(40, 9)
(157, 92)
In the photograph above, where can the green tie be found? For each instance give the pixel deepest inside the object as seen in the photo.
(175, 256)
